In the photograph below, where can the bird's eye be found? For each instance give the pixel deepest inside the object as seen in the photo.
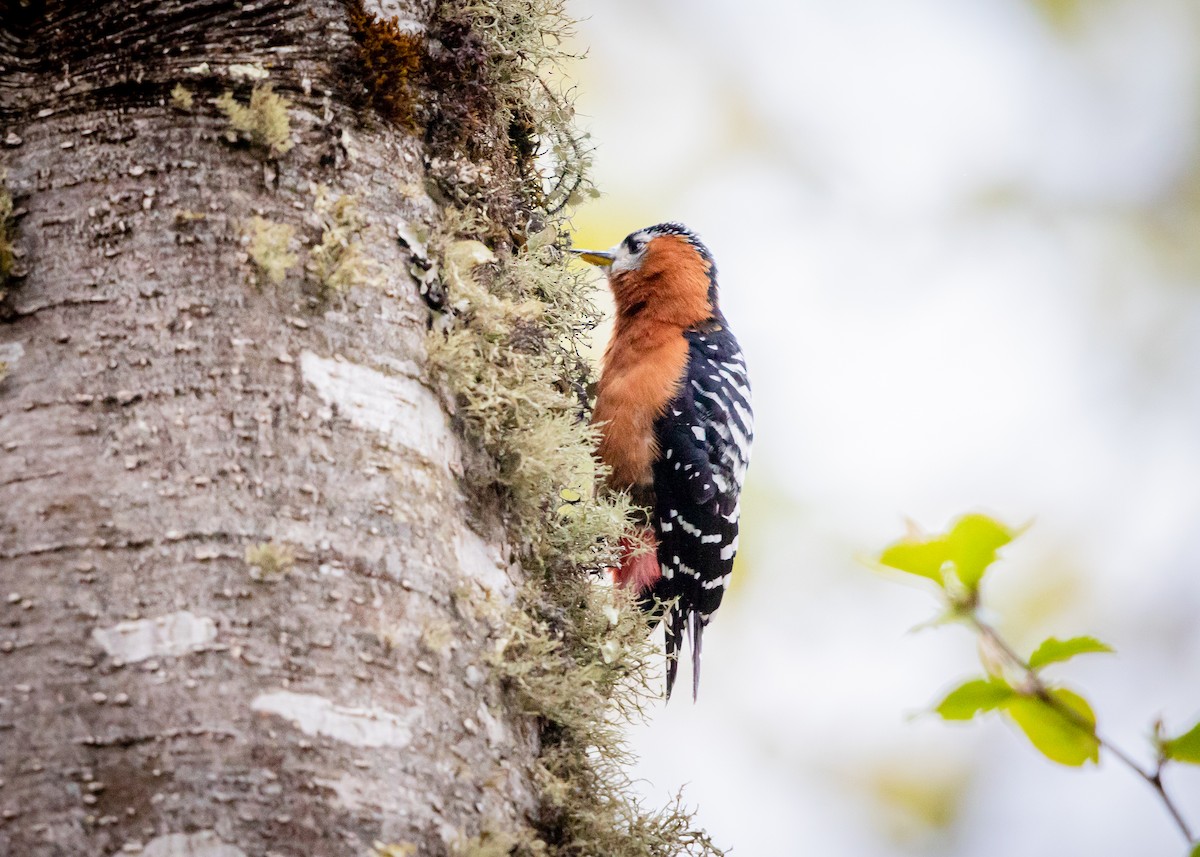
(634, 245)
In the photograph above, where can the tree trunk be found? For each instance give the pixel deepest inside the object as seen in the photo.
(235, 553)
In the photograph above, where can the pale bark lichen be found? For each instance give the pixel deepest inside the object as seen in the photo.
(269, 246)
(340, 259)
(269, 562)
(263, 121)
(181, 97)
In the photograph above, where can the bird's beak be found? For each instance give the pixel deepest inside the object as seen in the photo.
(603, 258)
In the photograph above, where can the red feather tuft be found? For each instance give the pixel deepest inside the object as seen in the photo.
(639, 563)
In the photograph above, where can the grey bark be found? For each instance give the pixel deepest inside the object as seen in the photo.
(163, 412)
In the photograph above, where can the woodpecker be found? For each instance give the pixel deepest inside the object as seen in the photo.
(674, 415)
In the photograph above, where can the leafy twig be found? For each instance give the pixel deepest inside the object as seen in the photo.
(1058, 722)
(1039, 689)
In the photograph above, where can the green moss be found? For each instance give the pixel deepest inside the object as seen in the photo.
(263, 121)
(269, 246)
(269, 562)
(340, 260)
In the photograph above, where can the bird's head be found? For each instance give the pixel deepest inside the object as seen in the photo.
(663, 271)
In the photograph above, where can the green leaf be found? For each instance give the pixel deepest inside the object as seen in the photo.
(1185, 748)
(1058, 736)
(1053, 650)
(973, 543)
(1195, 852)
(923, 558)
(972, 697)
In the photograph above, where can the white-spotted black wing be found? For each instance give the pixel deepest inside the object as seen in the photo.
(704, 439)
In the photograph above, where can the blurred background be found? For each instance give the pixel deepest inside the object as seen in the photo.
(960, 244)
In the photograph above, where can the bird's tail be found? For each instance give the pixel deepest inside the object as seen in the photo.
(678, 623)
(675, 625)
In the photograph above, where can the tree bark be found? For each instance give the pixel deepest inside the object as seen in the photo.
(167, 407)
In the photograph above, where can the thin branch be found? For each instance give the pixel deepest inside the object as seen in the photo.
(1034, 681)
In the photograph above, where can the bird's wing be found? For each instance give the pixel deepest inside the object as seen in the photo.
(704, 439)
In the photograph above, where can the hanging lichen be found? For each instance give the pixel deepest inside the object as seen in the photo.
(507, 349)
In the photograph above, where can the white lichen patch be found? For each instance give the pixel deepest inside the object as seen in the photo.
(247, 71)
(395, 11)
(497, 733)
(203, 843)
(316, 715)
(355, 793)
(481, 562)
(462, 257)
(11, 353)
(400, 408)
(165, 636)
